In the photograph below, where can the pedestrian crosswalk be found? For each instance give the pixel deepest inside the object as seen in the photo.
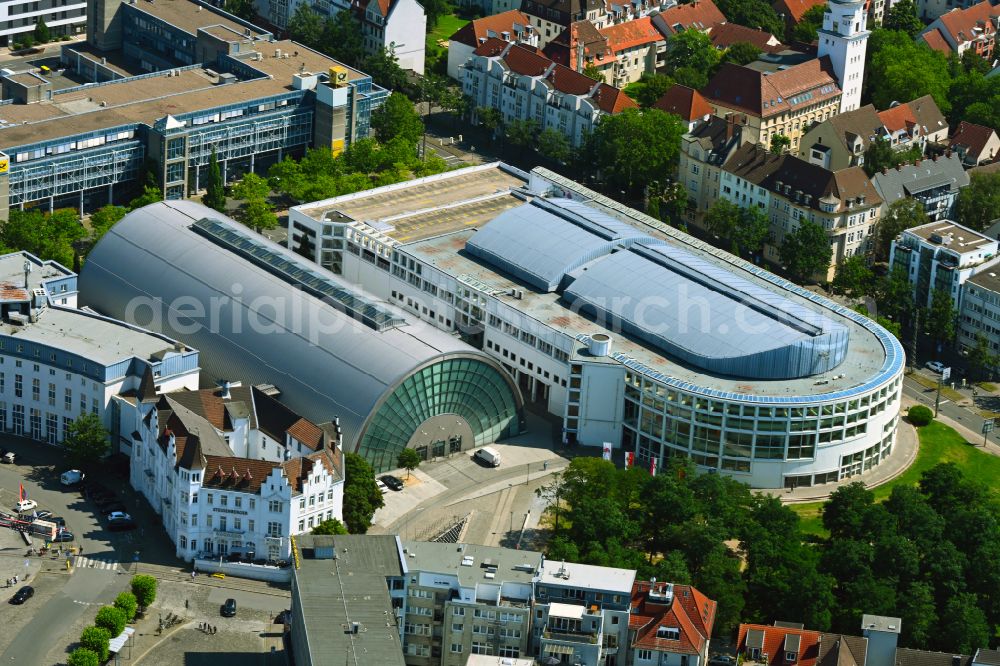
(81, 562)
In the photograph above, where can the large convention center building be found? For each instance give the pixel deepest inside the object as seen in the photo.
(266, 316)
(633, 333)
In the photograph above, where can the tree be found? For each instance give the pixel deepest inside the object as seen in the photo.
(306, 26)
(361, 496)
(521, 133)
(104, 218)
(756, 14)
(251, 187)
(902, 214)
(780, 143)
(905, 70)
(384, 69)
(979, 203)
(745, 228)
(112, 619)
(881, 155)
(97, 639)
(552, 492)
(741, 53)
(259, 215)
(919, 415)
(150, 195)
(554, 145)
(330, 527)
(215, 190)
(693, 52)
(342, 38)
(941, 317)
(397, 118)
(409, 460)
(434, 10)
(634, 148)
(903, 18)
(42, 33)
(963, 625)
(86, 440)
(127, 603)
(81, 656)
(806, 29)
(489, 118)
(650, 88)
(806, 251)
(245, 9)
(982, 360)
(45, 235)
(592, 71)
(853, 277)
(144, 589)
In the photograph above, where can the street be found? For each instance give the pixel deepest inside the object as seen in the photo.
(960, 413)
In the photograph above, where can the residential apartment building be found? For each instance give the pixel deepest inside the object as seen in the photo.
(792, 11)
(464, 599)
(917, 122)
(687, 104)
(841, 140)
(58, 362)
(63, 17)
(524, 85)
(790, 190)
(672, 624)
(551, 17)
(510, 26)
(932, 10)
(396, 26)
(975, 144)
(725, 35)
(962, 30)
(783, 103)
(704, 150)
(701, 15)
(941, 256)
(230, 470)
(636, 47)
(581, 613)
(935, 183)
(979, 314)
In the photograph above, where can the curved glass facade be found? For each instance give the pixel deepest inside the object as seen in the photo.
(468, 387)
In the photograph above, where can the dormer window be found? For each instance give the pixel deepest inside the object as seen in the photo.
(669, 633)
(791, 657)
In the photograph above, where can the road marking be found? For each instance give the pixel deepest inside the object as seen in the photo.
(80, 562)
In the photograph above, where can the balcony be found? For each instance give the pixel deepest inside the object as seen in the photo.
(589, 638)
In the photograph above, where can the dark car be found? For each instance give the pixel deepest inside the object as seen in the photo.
(722, 660)
(43, 515)
(121, 525)
(63, 535)
(58, 520)
(108, 509)
(104, 500)
(23, 595)
(229, 608)
(394, 482)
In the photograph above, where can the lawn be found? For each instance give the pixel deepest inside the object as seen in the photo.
(938, 444)
(446, 26)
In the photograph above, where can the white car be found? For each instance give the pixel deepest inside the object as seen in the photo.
(24, 506)
(381, 486)
(118, 515)
(936, 366)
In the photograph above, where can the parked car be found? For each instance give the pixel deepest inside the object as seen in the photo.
(22, 595)
(9, 457)
(936, 366)
(229, 608)
(71, 477)
(488, 456)
(121, 525)
(118, 515)
(722, 660)
(114, 507)
(63, 535)
(381, 486)
(43, 514)
(394, 482)
(24, 506)
(106, 500)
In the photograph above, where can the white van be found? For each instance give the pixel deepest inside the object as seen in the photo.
(71, 477)
(489, 456)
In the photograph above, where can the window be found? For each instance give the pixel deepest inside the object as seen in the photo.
(253, 503)
(645, 655)
(238, 502)
(52, 395)
(274, 529)
(456, 648)
(274, 506)
(250, 526)
(790, 657)
(224, 500)
(68, 399)
(18, 386)
(302, 525)
(209, 498)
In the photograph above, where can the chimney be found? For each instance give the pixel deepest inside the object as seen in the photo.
(224, 389)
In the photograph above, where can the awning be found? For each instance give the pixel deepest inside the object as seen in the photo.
(571, 611)
(557, 649)
(118, 642)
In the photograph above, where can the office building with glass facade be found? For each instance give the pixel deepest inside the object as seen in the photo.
(333, 351)
(633, 333)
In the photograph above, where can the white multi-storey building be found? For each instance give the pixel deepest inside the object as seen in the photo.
(231, 470)
(62, 17)
(57, 362)
(844, 38)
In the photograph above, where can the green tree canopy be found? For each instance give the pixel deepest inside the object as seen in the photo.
(903, 18)
(250, 187)
(81, 656)
(691, 56)
(409, 460)
(86, 441)
(215, 189)
(42, 32)
(150, 195)
(127, 603)
(330, 527)
(780, 143)
(756, 14)
(941, 317)
(741, 53)
(806, 252)
(397, 117)
(905, 70)
(384, 69)
(342, 38)
(112, 619)
(554, 145)
(903, 214)
(592, 71)
(96, 639)
(979, 203)
(635, 148)
(522, 133)
(259, 215)
(144, 589)
(650, 88)
(105, 217)
(806, 29)
(306, 26)
(853, 277)
(245, 9)
(745, 229)
(881, 155)
(361, 496)
(45, 235)
(982, 360)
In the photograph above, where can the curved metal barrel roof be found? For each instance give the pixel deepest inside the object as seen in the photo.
(260, 314)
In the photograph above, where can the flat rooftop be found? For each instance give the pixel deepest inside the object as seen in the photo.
(431, 206)
(963, 240)
(113, 60)
(148, 99)
(447, 558)
(988, 279)
(91, 336)
(12, 270)
(190, 16)
(587, 576)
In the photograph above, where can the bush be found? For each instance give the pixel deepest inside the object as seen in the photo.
(83, 657)
(144, 589)
(112, 619)
(127, 603)
(920, 415)
(97, 640)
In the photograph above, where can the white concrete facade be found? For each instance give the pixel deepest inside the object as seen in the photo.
(20, 16)
(844, 37)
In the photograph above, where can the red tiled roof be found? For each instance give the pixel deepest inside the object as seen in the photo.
(690, 612)
(774, 644)
(307, 432)
(794, 10)
(627, 35)
(700, 14)
(897, 118)
(747, 89)
(521, 59)
(490, 26)
(564, 48)
(959, 23)
(973, 137)
(935, 40)
(725, 35)
(684, 102)
(242, 474)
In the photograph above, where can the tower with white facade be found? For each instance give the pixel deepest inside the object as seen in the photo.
(844, 38)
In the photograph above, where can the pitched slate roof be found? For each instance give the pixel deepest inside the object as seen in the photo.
(841, 650)
(700, 15)
(910, 657)
(928, 115)
(512, 21)
(684, 102)
(766, 95)
(987, 657)
(907, 180)
(275, 419)
(629, 34)
(772, 643)
(147, 387)
(972, 138)
(688, 610)
(759, 166)
(725, 35)
(863, 122)
(560, 11)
